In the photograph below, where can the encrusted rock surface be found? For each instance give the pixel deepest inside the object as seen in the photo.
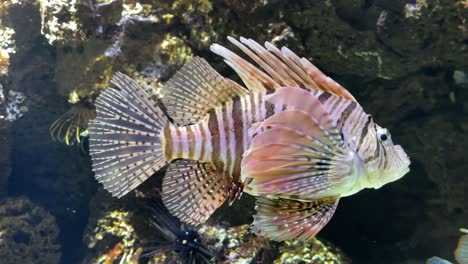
(313, 251)
(5, 142)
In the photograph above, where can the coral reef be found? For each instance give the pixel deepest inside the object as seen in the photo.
(233, 244)
(114, 234)
(111, 234)
(139, 226)
(7, 43)
(314, 251)
(5, 142)
(28, 234)
(122, 234)
(179, 243)
(14, 106)
(114, 237)
(59, 20)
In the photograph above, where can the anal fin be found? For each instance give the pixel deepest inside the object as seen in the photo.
(284, 219)
(192, 190)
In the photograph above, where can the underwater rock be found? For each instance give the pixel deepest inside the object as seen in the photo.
(20, 24)
(82, 68)
(439, 181)
(375, 39)
(7, 43)
(28, 233)
(110, 234)
(446, 166)
(411, 96)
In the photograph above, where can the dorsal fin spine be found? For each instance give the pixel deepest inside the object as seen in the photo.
(195, 90)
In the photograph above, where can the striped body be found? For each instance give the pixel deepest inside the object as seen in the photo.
(223, 137)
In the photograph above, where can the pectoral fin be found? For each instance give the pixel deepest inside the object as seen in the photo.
(297, 153)
(283, 219)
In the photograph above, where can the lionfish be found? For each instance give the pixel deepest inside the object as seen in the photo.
(293, 137)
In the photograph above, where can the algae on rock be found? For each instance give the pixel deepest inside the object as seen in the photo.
(28, 233)
(313, 251)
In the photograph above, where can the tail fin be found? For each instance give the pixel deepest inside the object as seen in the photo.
(125, 138)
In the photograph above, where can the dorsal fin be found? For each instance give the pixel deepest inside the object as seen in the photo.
(195, 90)
(282, 68)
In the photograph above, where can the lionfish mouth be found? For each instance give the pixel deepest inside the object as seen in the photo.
(401, 158)
(399, 166)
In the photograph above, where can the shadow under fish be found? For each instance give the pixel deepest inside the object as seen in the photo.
(293, 137)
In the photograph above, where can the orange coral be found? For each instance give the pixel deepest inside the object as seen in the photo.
(113, 254)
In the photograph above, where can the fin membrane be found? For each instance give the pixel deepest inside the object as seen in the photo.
(284, 219)
(195, 90)
(297, 153)
(124, 139)
(282, 68)
(192, 190)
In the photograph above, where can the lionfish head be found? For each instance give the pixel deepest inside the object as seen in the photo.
(390, 162)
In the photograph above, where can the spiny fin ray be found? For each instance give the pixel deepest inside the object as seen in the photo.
(282, 68)
(195, 90)
(124, 138)
(284, 219)
(193, 190)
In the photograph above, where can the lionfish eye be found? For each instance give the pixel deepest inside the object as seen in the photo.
(383, 137)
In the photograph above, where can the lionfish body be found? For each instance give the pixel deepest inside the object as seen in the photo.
(294, 138)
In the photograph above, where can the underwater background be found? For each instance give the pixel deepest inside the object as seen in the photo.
(406, 62)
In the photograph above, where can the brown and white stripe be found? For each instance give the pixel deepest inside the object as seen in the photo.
(223, 137)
